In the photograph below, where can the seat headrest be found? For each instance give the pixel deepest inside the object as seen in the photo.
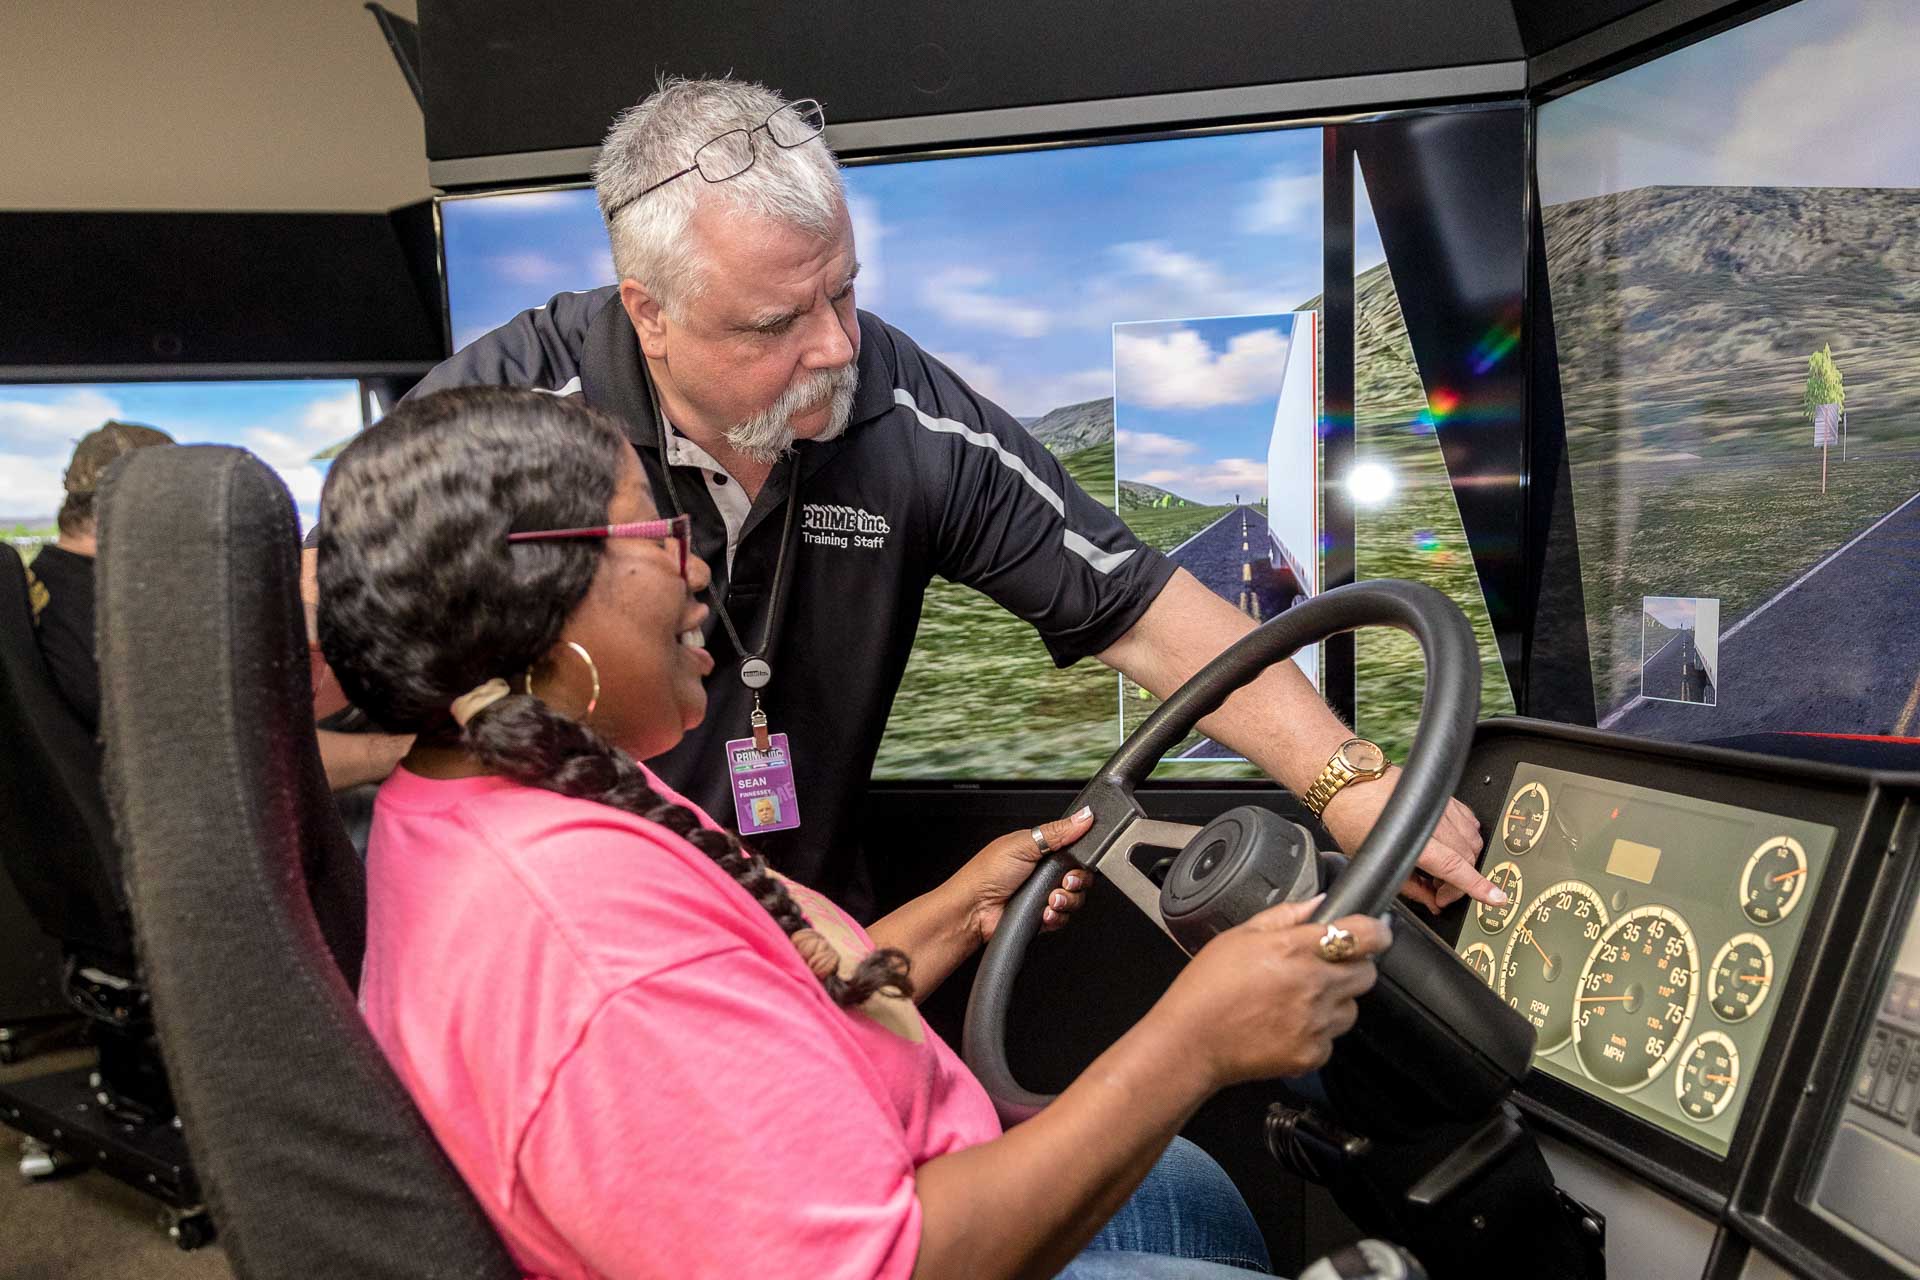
(248, 900)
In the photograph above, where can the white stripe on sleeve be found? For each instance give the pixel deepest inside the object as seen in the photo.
(1103, 561)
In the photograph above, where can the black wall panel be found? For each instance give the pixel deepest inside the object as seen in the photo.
(1545, 23)
(509, 77)
(99, 290)
(1449, 191)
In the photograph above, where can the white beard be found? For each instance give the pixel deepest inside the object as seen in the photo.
(769, 433)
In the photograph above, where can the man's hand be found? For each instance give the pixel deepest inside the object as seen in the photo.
(1449, 860)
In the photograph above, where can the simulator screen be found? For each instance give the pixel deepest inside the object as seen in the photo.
(1733, 253)
(294, 426)
(1166, 350)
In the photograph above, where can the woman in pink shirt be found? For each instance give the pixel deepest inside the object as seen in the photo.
(647, 1053)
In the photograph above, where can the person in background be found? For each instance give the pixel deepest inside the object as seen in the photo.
(60, 588)
(60, 579)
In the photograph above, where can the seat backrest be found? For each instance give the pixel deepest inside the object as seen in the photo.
(55, 837)
(248, 901)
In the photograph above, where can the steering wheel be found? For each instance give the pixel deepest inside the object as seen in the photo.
(1367, 886)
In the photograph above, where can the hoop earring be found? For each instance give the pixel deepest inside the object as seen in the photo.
(593, 699)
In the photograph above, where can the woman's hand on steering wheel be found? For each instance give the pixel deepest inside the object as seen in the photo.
(997, 872)
(1450, 860)
(1262, 1000)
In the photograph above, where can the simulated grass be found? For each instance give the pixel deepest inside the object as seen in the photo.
(981, 698)
(1416, 534)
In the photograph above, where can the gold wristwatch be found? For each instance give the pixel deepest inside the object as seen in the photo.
(1356, 760)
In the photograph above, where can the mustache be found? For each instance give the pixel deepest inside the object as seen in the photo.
(768, 434)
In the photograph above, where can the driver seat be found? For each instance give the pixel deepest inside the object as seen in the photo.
(249, 902)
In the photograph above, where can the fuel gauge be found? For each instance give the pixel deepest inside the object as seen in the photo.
(1775, 877)
(1525, 819)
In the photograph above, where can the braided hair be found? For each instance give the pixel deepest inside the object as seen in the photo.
(422, 599)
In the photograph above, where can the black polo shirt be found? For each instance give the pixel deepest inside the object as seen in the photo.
(60, 583)
(929, 478)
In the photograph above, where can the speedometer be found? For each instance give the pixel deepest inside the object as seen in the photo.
(1637, 994)
(1537, 970)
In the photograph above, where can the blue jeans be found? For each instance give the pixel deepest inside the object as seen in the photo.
(1186, 1220)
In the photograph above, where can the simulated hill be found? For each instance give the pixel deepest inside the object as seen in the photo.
(1684, 316)
(1074, 427)
(1134, 495)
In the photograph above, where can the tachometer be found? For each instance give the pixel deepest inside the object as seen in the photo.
(1637, 995)
(1740, 977)
(1479, 958)
(1709, 1073)
(1537, 971)
(1494, 919)
(1526, 818)
(1775, 878)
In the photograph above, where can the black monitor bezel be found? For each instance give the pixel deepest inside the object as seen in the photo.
(1773, 1204)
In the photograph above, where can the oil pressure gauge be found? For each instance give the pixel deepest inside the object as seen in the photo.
(1525, 819)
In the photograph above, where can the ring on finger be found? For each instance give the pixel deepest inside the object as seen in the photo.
(1040, 841)
(1336, 944)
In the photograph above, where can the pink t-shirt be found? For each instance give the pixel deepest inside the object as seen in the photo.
(626, 1058)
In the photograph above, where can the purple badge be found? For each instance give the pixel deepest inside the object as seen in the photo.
(764, 798)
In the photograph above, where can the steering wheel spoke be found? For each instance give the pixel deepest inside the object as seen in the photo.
(1117, 866)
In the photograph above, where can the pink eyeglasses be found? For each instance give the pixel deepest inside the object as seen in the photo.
(679, 528)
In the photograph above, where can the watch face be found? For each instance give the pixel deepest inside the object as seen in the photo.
(1362, 756)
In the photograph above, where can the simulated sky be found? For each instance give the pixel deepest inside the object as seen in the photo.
(1194, 404)
(1819, 94)
(1012, 268)
(285, 423)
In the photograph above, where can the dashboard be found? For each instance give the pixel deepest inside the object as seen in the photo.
(1644, 937)
(1719, 954)
(1876, 1144)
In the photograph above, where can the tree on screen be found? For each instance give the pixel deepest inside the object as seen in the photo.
(1823, 383)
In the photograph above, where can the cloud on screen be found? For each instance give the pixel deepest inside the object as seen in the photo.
(1214, 481)
(1152, 445)
(1178, 369)
(1025, 395)
(964, 296)
(1285, 203)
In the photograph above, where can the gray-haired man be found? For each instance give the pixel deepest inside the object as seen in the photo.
(831, 468)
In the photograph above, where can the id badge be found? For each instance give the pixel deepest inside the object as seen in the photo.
(764, 798)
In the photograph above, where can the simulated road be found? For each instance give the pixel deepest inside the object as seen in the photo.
(1836, 651)
(1676, 673)
(1231, 558)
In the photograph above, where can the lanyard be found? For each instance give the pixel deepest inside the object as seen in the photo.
(756, 671)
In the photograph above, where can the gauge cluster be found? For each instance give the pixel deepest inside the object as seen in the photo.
(1642, 937)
